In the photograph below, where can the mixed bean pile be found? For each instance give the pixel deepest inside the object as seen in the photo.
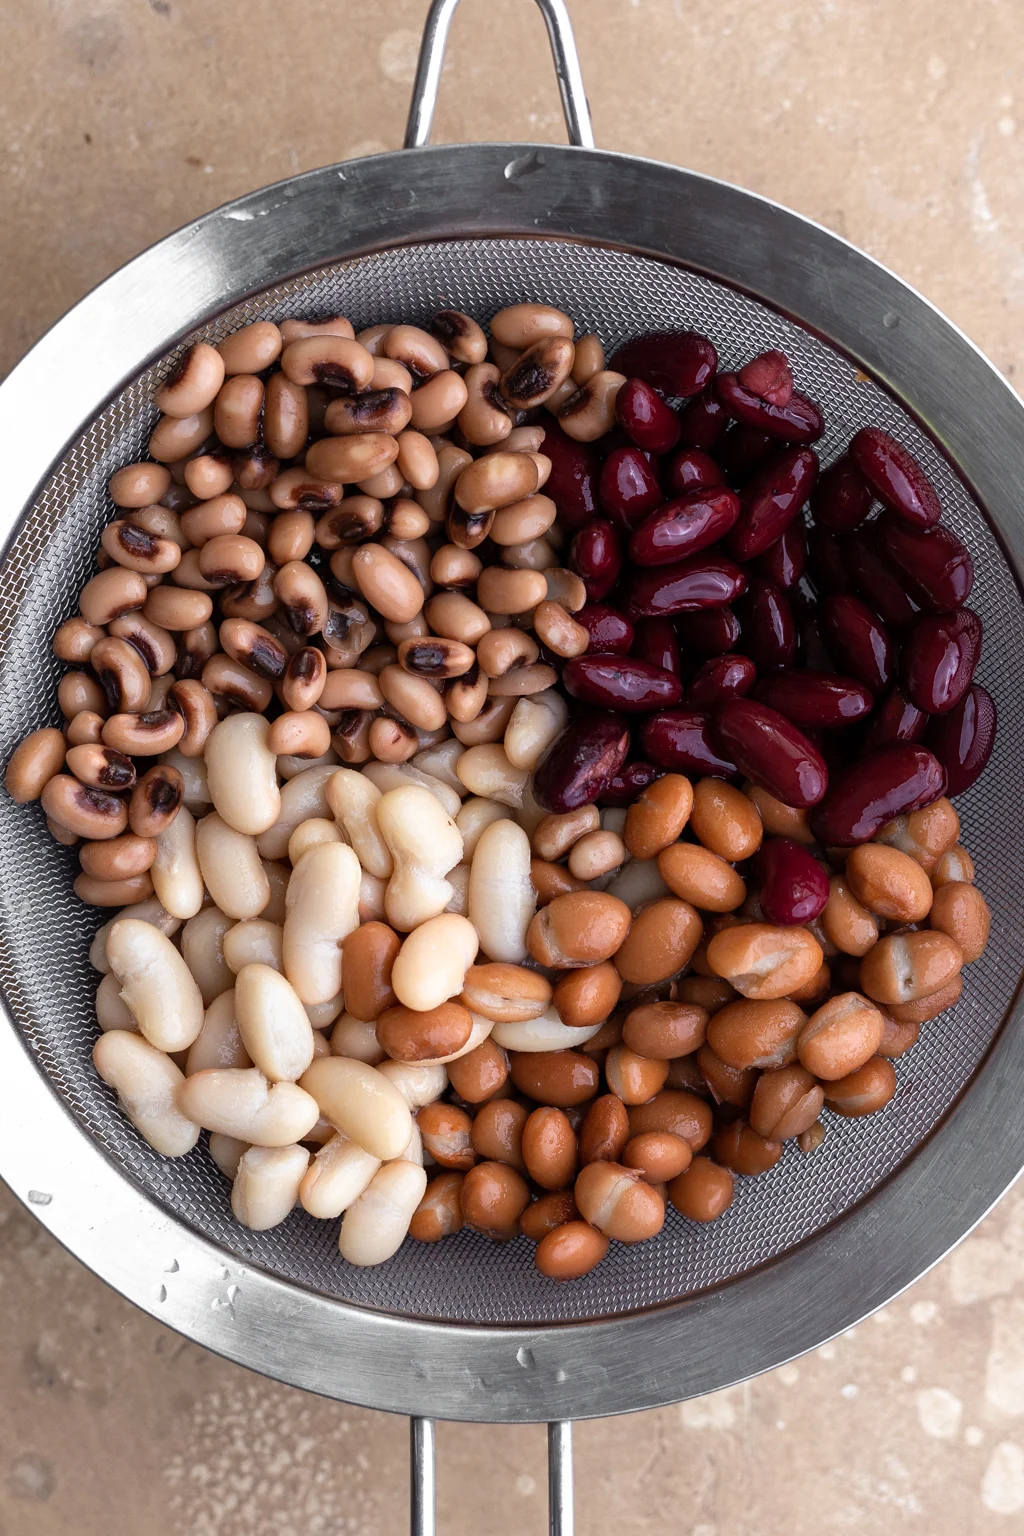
(498, 772)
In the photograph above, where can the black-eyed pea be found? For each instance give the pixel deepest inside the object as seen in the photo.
(589, 358)
(461, 337)
(406, 520)
(139, 485)
(538, 372)
(502, 591)
(305, 679)
(82, 810)
(960, 911)
(558, 630)
(385, 484)
(414, 698)
(134, 549)
(118, 858)
(300, 733)
(74, 640)
(251, 348)
(86, 729)
(174, 438)
(110, 594)
(520, 325)
(124, 892)
(209, 474)
(483, 417)
(416, 349)
(589, 412)
(175, 608)
(456, 617)
(298, 329)
(566, 588)
(237, 409)
(193, 382)
(35, 761)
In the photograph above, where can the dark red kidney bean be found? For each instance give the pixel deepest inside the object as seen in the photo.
(702, 423)
(596, 555)
(768, 748)
(645, 418)
(798, 421)
(895, 476)
(689, 469)
(744, 450)
(816, 700)
(858, 639)
(723, 677)
(582, 762)
(609, 630)
(706, 581)
(785, 561)
(825, 562)
(934, 563)
(657, 642)
(620, 682)
(874, 789)
(629, 488)
(771, 500)
(842, 497)
(963, 739)
(813, 651)
(685, 526)
(897, 720)
(794, 887)
(681, 739)
(572, 483)
(769, 377)
(711, 632)
(872, 576)
(939, 659)
(628, 783)
(769, 628)
(682, 363)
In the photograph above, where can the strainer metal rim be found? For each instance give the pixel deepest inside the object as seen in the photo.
(811, 1292)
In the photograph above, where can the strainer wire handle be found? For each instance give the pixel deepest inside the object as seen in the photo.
(422, 1489)
(563, 51)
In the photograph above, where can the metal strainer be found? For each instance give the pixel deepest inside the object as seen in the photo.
(467, 1329)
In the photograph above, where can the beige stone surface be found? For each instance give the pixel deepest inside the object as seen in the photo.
(896, 124)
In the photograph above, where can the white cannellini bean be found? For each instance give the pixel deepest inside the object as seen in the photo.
(502, 897)
(425, 844)
(374, 1226)
(147, 1083)
(414, 1151)
(485, 770)
(303, 797)
(388, 776)
(219, 1044)
(535, 723)
(432, 963)
(193, 771)
(354, 800)
(231, 868)
(475, 815)
(111, 1010)
(638, 883)
(321, 1044)
(253, 942)
(310, 834)
(322, 907)
(241, 772)
(419, 1085)
(177, 879)
(266, 1186)
(156, 984)
(273, 1024)
(357, 1038)
(439, 762)
(149, 911)
(202, 945)
(321, 1133)
(338, 1174)
(322, 1014)
(458, 879)
(529, 814)
(371, 899)
(240, 1102)
(278, 875)
(226, 1152)
(546, 1033)
(288, 767)
(359, 1101)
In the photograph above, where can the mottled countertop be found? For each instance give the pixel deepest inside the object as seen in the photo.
(895, 124)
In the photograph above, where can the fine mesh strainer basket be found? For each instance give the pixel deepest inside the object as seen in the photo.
(468, 1329)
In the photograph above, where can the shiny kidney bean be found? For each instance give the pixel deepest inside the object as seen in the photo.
(609, 630)
(689, 469)
(572, 481)
(710, 632)
(629, 487)
(769, 749)
(794, 887)
(934, 563)
(703, 422)
(743, 451)
(683, 527)
(681, 739)
(657, 642)
(842, 497)
(895, 476)
(620, 682)
(769, 377)
(939, 659)
(769, 628)
(722, 677)
(962, 739)
(884, 784)
(582, 762)
(813, 651)
(682, 363)
(798, 421)
(628, 783)
(596, 555)
(706, 581)
(815, 700)
(859, 639)
(825, 563)
(771, 500)
(872, 576)
(896, 720)
(645, 418)
(785, 561)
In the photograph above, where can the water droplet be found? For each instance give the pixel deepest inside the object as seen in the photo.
(561, 1375)
(172, 1268)
(890, 320)
(39, 1197)
(161, 1294)
(524, 165)
(526, 1358)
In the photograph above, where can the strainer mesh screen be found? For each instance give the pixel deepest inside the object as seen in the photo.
(44, 932)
